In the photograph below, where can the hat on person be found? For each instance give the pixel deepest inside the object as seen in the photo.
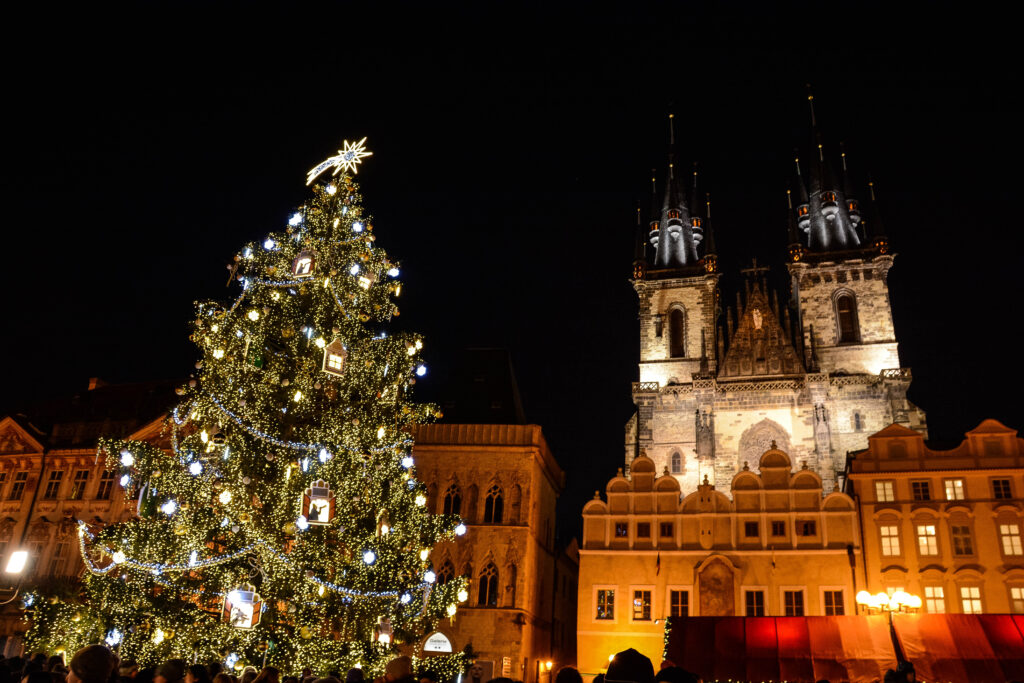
(630, 665)
(173, 670)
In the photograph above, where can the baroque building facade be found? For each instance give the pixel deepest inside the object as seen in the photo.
(50, 477)
(778, 547)
(815, 374)
(945, 525)
(503, 480)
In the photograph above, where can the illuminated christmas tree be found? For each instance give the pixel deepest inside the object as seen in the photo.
(285, 524)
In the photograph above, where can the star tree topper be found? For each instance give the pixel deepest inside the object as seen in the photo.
(346, 159)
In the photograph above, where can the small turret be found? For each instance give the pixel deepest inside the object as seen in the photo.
(852, 205)
(674, 242)
(696, 223)
(795, 248)
(655, 224)
(803, 209)
(640, 253)
(710, 251)
(878, 237)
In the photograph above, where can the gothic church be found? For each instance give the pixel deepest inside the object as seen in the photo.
(813, 377)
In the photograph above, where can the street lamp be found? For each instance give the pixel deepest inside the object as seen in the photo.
(899, 601)
(15, 566)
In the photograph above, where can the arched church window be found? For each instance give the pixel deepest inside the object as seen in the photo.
(488, 596)
(446, 573)
(452, 500)
(494, 506)
(677, 463)
(677, 333)
(846, 316)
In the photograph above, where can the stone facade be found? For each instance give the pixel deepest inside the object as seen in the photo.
(947, 526)
(531, 619)
(776, 548)
(762, 380)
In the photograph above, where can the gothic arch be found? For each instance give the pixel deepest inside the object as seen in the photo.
(676, 331)
(469, 504)
(676, 460)
(844, 304)
(758, 438)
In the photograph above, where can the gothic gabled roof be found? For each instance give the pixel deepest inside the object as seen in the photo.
(759, 346)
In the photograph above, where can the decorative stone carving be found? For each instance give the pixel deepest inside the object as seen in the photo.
(760, 437)
(717, 594)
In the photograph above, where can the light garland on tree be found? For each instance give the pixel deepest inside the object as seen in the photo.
(285, 523)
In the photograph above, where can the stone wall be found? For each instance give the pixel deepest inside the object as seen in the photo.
(696, 297)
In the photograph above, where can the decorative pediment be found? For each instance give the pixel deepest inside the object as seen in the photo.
(15, 440)
(759, 346)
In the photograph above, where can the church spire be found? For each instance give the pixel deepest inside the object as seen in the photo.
(710, 251)
(878, 237)
(826, 217)
(640, 251)
(675, 245)
(795, 248)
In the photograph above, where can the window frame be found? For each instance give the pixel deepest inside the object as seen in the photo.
(979, 607)
(677, 345)
(830, 592)
(1008, 486)
(853, 335)
(484, 587)
(644, 527)
(959, 531)
(641, 589)
(670, 594)
(599, 592)
(53, 485)
(959, 492)
(931, 601)
(18, 483)
(778, 524)
(759, 590)
(919, 486)
(801, 591)
(930, 538)
(885, 491)
(79, 484)
(886, 540)
(494, 505)
(671, 529)
(105, 489)
(1010, 534)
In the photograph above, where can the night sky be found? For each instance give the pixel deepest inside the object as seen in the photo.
(147, 143)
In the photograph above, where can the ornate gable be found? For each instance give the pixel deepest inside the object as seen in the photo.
(759, 346)
(14, 440)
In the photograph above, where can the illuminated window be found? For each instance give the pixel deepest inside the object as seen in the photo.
(961, 535)
(834, 605)
(606, 604)
(673, 213)
(78, 484)
(643, 529)
(494, 506)
(890, 540)
(954, 489)
(621, 529)
(667, 530)
(334, 361)
(884, 492)
(106, 485)
(1017, 599)
(828, 197)
(934, 599)
(18, 487)
(676, 333)
(970, 599)
(927, 543)
(1001, 489)
(793, 602)
(846, 316)
(1010, 534)
(452, 500)
(677, 463)
(488, 595)
(679, 603)
(53, 485)
(641, 605)
(921, 490)
(755, 603)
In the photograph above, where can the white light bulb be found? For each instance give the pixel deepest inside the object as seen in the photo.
(369, 557)
(127, 459)
(158, 636)
(429, 576)
(331, 189)
(195, 468)
(424, 554)
(324, 455)
(295, 219)
(393, 272)
(124, 480)
(460, 530)
(235, 597)
(320, 342)
(254, 316)
(305, 464)
(380, 432)
(193, 558)
(354, 269)
(298, 396)
(357, 227)
(204, 436)
(407, 462)
(113, 638)
(452, 609)
(224, 497)
(238, 333)
(463, 595)
(406, 598)
(218, 353)
(169, 507)
(302, 523)
(118, 557)
(421, 500)
(247, 253)
(268, 244)
(419, 344)
(421, 370)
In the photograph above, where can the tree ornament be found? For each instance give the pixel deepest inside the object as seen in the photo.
(242, 607)
(304, 264)
(335, 356)
(318, 503)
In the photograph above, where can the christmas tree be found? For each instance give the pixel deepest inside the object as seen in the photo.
(285, 524)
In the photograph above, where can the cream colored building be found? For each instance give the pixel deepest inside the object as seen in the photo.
(50, 476)
(777, 548)
(946, 525)
(503, 481)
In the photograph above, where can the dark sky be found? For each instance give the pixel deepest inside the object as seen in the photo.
(146, 143)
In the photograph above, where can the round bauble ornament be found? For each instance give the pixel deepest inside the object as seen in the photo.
(316, 385)
(199, 365)
(412, 380)
(246, 480)
(285, 382)
(288, 332)
(180, 530)
(305, 632)
(271, 270)
(334, 271)
(180, 391)
(241, 403)
(243, 517)
(309, 574)
(336, 330)
(290, 528)
(303, 290)
(192, 383)
(156, 473)
(238, 257)
(266, 310)
(234, 528)
(269, 457)
(355, 421)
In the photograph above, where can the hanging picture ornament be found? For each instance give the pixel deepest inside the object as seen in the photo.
(335, 356)
(304, 264)
(243, 607)
(318, 503)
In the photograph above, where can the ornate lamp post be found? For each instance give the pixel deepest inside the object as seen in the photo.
(899, 601)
